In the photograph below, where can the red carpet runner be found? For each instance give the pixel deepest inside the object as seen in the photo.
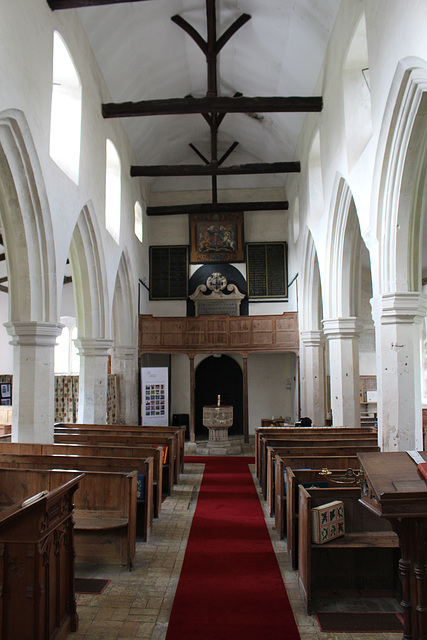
(230, 586)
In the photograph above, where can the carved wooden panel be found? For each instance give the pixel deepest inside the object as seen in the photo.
(213, 333)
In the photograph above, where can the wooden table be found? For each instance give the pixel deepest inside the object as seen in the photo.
(394, 489)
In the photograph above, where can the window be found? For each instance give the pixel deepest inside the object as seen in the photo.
(139, 230)
(66, 111)
(113, 192)
(67, 359)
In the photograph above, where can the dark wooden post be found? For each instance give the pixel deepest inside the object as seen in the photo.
(192, 401)
(245, 400)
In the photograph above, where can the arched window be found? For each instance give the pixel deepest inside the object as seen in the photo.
(67, 359)
(113, 192)
(315, 178)
(66, 111)
(139, 229)
(357, 95)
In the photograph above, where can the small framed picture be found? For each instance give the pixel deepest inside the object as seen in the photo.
(6, 391)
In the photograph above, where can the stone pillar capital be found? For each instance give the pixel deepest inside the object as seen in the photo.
(403, 308)
(33, 334)
(125, 353)
(312, 338)
(340, 328)
(93, 346)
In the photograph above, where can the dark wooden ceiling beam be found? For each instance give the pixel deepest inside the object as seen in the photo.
(214, 169)
(75, 4)
(212, 104)
(191, 31)
(4, 289)
(217, 207)
(232, 29)
(229, 151)
(2, 257)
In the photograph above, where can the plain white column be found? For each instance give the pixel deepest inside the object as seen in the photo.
(93, 379)
(313, 376)
(343, 335)
(33, 402)
(398, 326)
(124, 364)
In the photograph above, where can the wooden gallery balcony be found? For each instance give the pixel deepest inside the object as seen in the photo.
(227, 334)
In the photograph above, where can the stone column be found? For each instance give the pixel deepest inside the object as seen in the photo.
(313, 377)
(33, 402)
(93, 379)
(398, 326)
(124, 363)
(343, 335)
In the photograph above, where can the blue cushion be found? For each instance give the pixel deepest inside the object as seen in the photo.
(322, 484)
(140, 491)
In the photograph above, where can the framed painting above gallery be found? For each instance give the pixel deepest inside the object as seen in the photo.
(216, 238)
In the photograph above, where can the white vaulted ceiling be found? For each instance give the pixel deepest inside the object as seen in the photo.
(143, 55)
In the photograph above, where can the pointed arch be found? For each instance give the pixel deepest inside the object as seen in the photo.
(26, 224)
(343, 253)
(124, 305)
(311, 306)
(88, 272)
(402, 167)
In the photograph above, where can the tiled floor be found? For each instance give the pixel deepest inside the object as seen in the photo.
(137, 604)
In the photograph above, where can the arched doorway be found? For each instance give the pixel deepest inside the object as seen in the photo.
(219, 375)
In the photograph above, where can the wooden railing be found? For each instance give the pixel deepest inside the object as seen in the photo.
(249, 334)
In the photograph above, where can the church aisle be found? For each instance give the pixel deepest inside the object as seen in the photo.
(137, 604)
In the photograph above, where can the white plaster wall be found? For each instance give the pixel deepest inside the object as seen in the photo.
(26, 37)
(268, 375)
(180, 384)
(395, 31)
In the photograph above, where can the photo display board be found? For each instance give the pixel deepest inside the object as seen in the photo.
(266, 268)
(169, 273)
(154, 396)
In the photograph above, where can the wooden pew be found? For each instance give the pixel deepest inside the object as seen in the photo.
(104, 509)
(282, 493)
(37, 598)
(281, 439)
(92, 463)
(309, 479)
(139, 453)
(330, 462)
(110, 444)
(265, 436)
(337, 449)
(169, 442)
(178, 432)
(364, 560)
(311, 432)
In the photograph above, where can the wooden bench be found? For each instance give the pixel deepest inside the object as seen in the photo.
(362, 562)
(93, 463)
(139, 454)
(103, 446)
(304, 462)
(178, 432)
(98, 436)
(309, 479)
(266, 437)
(337, 449)
(318, 437)
(37, 566)
(104, 509)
